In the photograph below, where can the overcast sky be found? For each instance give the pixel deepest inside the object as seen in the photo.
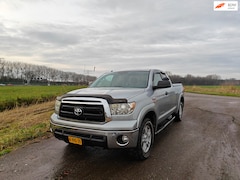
(183, 37)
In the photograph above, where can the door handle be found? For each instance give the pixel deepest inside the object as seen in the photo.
(166, 93)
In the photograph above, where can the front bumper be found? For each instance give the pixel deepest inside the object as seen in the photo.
(107, 135)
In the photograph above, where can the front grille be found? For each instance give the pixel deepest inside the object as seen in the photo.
(87, 112)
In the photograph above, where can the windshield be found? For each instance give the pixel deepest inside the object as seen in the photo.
(125, 79)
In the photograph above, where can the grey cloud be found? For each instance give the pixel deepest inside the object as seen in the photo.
(53, 37)
(184, 38)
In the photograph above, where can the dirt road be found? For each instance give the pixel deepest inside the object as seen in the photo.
(205, 145)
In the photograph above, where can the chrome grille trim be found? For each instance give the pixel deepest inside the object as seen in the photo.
(94, 109)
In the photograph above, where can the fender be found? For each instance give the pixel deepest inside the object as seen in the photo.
(144, 111)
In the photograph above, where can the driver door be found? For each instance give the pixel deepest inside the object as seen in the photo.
(161, 99)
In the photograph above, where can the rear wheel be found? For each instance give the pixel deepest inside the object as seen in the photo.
(180, 112)
(145, 139)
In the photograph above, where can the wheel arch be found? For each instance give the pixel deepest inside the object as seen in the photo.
(152, 116)
(145, 137)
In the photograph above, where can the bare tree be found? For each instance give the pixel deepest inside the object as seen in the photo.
(2, 67)
(29, 72)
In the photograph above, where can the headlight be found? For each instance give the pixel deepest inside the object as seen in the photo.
(57, 106)
(122, 108)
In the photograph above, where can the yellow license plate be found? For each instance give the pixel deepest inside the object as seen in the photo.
(75, 140)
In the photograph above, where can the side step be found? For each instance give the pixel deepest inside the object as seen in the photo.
(165, 125)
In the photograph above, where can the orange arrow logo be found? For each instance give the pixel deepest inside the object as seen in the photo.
(220, 5)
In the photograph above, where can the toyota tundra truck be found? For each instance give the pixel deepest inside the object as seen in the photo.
(123, 109)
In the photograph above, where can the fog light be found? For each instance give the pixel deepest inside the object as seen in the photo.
(125, 139)
(122, 140)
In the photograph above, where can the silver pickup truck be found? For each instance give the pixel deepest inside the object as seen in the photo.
(123, 109)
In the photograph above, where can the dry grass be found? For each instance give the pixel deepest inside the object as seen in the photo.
(24, 123)
(215, 90)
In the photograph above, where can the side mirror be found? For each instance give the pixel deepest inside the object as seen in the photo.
(162, 84)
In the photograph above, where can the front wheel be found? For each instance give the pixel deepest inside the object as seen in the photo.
(145, 139)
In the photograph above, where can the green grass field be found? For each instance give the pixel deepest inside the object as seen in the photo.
(12, 96)
(215, 90)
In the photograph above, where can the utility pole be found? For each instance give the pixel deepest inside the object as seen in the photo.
(86, 73)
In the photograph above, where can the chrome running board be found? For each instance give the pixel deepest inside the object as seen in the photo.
(165, 125)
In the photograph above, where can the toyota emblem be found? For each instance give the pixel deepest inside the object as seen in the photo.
(78, 111)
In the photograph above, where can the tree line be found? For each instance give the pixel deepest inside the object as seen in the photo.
(207, 80)
(24, 73)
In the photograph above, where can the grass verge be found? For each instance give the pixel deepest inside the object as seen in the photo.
(19, 125)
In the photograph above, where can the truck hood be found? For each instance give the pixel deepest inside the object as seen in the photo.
(116, 93)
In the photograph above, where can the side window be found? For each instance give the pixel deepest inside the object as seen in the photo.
(164, 76)
(156, 78)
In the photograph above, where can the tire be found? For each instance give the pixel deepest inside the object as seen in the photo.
(180, 112)
(145, 140)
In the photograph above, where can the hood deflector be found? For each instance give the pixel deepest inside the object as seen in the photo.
(109, 98)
